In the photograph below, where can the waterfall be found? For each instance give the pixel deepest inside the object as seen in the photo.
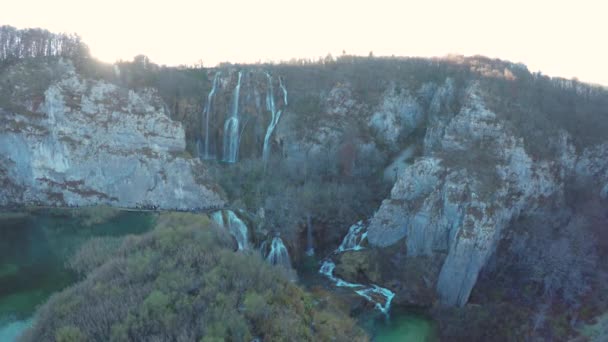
(231, 127)
(275, 115)
(371, 292)
(284, 91)
(310, 250)
(327, 269)
(238, 229)
(235, 226)
(352, 241)
(218, 217)
(380, 296)
(206, 113)
(278, 254)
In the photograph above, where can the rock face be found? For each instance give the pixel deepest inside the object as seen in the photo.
(474, 178)
(398, 116)
(90, 142)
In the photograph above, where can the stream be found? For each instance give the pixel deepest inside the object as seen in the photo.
(36, 245)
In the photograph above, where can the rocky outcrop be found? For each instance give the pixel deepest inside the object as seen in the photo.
(398, 116)
(474, 178)
(90, 142)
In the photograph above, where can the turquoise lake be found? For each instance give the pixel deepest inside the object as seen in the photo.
(34, 249)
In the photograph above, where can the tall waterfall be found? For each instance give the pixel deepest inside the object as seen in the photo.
(206, 113)
(278, 254)
(380, 296)
(235, 226)
(231, 127)
(275, 115)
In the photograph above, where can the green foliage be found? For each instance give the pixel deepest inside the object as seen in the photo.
(288, 195)
(70, 334)
(182, 281)
(95, 214)
(94, 253)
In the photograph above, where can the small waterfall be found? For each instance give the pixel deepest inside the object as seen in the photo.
(278, 254)
(231, 127)
(284, 91)
(218, 217)
(310, 250)
(327, 269)
(353, 240)
(380, 296)
(371, 293)
(206, 113)
(275, 115)
(235, 226)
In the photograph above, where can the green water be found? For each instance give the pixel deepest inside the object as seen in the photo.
(404, 325)
(34, 248)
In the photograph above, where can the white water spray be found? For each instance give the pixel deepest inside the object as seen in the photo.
(231, 127)
(284, 91)
(275, 115)
(380, 296)
(278, 254)
(371, 293)
(353, 240)
(235, 226)
(206, 113)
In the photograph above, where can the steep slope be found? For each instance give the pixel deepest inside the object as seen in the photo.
(499, 176)
(81, 142)
(461, 206)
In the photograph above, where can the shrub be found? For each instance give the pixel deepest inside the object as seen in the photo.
(183, 282)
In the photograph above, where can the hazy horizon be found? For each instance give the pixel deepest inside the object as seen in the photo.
(558, 39)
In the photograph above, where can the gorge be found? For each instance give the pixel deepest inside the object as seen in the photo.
(465, 188)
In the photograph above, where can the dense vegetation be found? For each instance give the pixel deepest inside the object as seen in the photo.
(184, 282)
(324, 197)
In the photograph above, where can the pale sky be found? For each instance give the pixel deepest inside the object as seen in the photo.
(559, 38)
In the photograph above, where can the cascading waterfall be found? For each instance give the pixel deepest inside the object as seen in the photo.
(231, 127)
(275, 115)
(380, 296)
(234, 225)
(355, 237)
(206, 113)
(327, 269)
(371, 292)
(278, 254)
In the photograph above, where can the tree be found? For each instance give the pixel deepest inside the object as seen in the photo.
(31, 43)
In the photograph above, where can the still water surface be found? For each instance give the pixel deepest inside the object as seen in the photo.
(34, 248)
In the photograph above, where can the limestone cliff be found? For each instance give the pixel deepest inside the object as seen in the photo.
(473, 180)
(86, 142)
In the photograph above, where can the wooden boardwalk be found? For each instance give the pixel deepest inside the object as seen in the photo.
(153, 210)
